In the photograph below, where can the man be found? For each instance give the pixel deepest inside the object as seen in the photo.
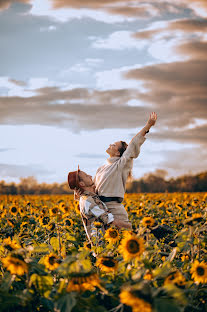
(91, 207)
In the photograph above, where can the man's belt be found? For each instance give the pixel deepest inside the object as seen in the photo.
(109, 199)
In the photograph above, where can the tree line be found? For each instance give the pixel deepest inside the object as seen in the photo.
(155, 182)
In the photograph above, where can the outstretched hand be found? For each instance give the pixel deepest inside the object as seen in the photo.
(152, 119)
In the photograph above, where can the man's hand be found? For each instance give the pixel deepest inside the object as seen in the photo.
(77, 194)
(152, 119)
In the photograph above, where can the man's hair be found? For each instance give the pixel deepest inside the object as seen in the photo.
(121, 150)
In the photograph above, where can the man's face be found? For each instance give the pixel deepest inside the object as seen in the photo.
(113, 149)
(86, 179)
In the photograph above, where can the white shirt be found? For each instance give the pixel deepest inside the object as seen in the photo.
(110, 179)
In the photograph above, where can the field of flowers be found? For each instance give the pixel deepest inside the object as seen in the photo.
(47, 264)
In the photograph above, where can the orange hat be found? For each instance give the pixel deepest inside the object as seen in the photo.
(73, 179)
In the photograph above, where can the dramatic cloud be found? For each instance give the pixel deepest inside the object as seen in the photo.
(5, 4)
(83, 109)
(166, 28)
(136, 8)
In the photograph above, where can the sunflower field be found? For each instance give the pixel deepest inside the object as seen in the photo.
(47, 264)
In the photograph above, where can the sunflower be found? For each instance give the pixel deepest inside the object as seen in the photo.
(68, 222)
(51, 226)
(107, 264)
(199, 272)
(175, 278)
(112, 235)
(81, 282)
(66, 210)
(97, 224)
(15, 265)
(87, 245)
(10, 244)
(197, 217)
(131, 247)
(133, 297)
(184, 257)
(44, 221)
(148, 221)
(14, 210)
(62, 206)
(51, 261)
(24, 225)
(54, 211)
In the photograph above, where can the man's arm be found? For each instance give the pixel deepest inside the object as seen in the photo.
(90, 208)
(151, 122)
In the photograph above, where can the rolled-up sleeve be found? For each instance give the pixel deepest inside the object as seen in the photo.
(133, 150)
(89, 208)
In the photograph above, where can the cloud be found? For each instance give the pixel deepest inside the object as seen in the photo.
(136, 9)
(15, 171)
(175, 84)
(165, 28)
(193, 50)
(185, 95)
(175, 40)
(196, 135)
(5, 4)
(17, 82)
(119, 40)
(180, 162)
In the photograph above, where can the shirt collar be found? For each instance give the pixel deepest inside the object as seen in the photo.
(112, 160)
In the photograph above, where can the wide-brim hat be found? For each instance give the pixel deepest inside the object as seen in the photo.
(73, 179)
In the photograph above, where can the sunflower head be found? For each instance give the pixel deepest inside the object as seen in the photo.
(137, 296)
(81, 282)
(175, 278)
(14, 210)
(131, 247)
(15, 265)
(112, 235)
(44, 220)
(97, 224)
(148, 221)
(68, 222)
(51, 261)
(199, 272)
(10, 244)
(107, 264)
(54, 211)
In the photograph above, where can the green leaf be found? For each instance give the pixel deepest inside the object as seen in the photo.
(176, 292)
(54, 241)
(163, 305)
(43, 283)
(42, 248)
(66, 303)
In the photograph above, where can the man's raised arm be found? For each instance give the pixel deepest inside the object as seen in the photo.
(151, 122)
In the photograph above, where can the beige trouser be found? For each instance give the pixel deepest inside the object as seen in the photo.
(118, 211)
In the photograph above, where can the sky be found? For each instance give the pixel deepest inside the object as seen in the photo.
(78, 75)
